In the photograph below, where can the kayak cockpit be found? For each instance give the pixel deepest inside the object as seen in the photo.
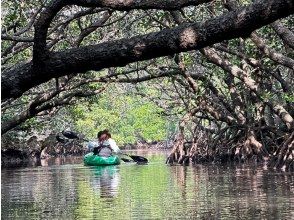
(95, 160)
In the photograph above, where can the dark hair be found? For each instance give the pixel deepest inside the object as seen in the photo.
(106, 131)
(99, 134)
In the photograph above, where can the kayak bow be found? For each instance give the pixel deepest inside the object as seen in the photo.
(94, 160)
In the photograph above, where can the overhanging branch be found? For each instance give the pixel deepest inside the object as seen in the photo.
(185, 37)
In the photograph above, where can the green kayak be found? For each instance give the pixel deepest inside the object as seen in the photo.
(95, 160)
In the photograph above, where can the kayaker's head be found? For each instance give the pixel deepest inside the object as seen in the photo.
(102, 135)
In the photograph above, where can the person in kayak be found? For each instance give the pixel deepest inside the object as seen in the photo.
(104, 149)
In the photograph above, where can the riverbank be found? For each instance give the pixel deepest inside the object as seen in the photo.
(14, 154)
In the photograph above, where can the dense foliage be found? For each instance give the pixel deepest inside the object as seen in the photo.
(231, 97)
(127, 116)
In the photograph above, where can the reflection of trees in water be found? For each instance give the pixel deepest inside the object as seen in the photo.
(97, 194)
(105, 181)
(44, 192)
(154, 191)
(243, 192)
(61, 161)
(180, 174)
(255, 192)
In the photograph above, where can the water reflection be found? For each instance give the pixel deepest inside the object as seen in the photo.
(69, 190)
(42, 192)
(105, 181)
(61, 161)
(243, 192)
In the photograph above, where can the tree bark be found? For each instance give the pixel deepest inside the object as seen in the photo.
(286, 34)
(185, 37)
(271, 53)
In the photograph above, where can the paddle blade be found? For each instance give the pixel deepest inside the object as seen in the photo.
(138, 159)
(70, 134)
(60, 139)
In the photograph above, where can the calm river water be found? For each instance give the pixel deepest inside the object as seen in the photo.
(66, 189)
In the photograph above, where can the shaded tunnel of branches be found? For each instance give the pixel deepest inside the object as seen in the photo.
(230, 85)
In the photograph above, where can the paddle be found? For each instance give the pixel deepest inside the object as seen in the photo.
(138, 159)
(72, 135)
(60, 139)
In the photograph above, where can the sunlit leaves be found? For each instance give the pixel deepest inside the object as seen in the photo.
(127, 117)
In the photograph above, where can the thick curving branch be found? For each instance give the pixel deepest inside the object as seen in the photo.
(186, 37)
(40, 52)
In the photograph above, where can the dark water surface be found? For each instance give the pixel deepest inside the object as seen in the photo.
(66, 189)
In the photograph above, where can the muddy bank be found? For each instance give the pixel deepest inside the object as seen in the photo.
(15, 153)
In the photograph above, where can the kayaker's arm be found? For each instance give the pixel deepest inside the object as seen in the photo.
(114, 146)
(96, 150)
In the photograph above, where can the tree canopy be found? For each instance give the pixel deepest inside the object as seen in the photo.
(223, 69)
(236, 23)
